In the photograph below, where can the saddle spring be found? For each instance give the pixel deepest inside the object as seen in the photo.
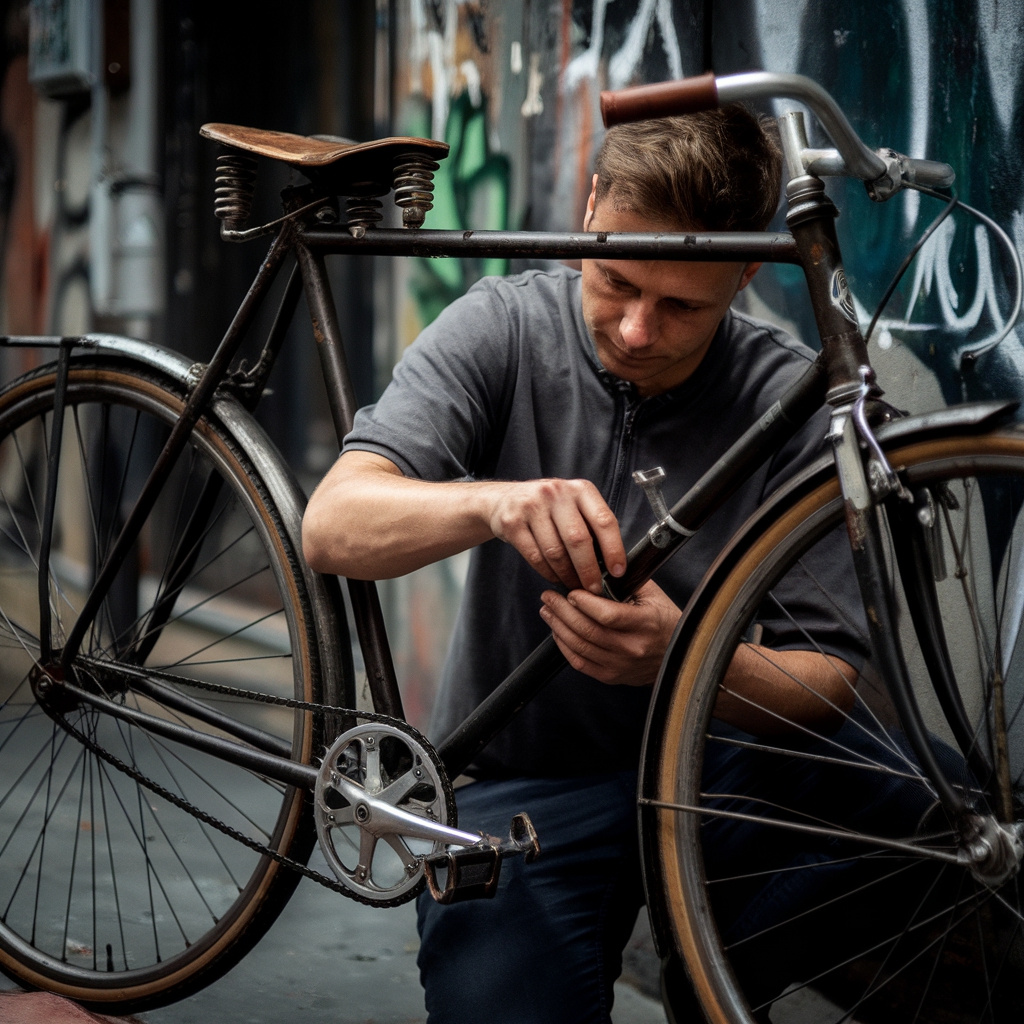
(414, 187)
(235, 185)
(363, 208)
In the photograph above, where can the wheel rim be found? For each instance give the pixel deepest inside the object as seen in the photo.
(911, 971)
(97, 872)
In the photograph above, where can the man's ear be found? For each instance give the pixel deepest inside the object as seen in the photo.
(748, 275)
(591, 200)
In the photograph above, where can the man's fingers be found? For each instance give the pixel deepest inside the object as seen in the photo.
(579, 545)
(590, 631)
(622, 617)
(527, 545)
(605, 528)
(589, 668)
(581, 654)
(550, 544)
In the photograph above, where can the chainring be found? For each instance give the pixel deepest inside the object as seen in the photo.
(391, 764)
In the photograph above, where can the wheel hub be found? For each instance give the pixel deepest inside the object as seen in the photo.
(992, 850)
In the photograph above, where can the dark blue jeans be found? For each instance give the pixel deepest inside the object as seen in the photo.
(548, 947)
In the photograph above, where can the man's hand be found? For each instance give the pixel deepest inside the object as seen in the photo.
(615, 643)
(553, 525)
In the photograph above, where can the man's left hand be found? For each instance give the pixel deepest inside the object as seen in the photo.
(619, 644)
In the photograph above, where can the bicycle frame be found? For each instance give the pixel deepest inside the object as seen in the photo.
(837, 376)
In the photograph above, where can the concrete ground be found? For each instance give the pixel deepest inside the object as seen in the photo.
(326, 960)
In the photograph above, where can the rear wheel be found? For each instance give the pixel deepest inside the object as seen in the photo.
(109, 893)
(808, 869)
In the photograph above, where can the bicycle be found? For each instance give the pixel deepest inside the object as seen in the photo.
(117, 720)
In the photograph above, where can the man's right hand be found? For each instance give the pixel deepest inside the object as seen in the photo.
(368, 521)
(553, 524)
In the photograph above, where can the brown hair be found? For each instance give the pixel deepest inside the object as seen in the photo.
(718, 170)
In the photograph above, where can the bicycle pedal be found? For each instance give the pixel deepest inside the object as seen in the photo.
(472, 872)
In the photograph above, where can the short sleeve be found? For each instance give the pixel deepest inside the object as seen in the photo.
(450, 392)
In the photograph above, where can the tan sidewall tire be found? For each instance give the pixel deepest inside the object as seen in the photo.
(687, 710)
(199, 966)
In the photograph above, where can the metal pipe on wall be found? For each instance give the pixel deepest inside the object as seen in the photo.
(126, 232)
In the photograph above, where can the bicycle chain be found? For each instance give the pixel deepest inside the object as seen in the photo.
(197, 812)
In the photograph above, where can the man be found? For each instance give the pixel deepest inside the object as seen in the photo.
(513, 426)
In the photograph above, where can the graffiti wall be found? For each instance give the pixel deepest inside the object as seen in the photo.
(513, 88)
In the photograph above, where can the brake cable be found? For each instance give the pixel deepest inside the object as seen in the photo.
(952, 202)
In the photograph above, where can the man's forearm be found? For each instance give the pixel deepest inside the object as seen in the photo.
(367, 521)
(769, 692)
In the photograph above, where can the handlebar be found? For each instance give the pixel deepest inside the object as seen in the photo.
(706, 92)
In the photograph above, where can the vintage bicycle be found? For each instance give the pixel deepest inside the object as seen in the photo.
(155, 815)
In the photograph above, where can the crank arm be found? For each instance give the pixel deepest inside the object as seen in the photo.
(381, 819)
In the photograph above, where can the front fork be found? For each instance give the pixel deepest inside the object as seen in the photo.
(991, 850)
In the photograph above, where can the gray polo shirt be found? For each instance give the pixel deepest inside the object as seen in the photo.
(506, 384)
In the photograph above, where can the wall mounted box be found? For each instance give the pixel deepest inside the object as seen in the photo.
(60, 61)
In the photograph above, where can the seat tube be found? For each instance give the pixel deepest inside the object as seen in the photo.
(366, 609)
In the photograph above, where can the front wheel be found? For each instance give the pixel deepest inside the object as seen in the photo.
(806, 866)
(109, 893)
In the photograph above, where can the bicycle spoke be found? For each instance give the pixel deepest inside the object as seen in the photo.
(201, 825)
(938, 955)
(804, 755)
(891, 743)
(789, 869)
(813, 910)
(881, 967)
(74, 861)
(804, 729)
(871, 949)
(206, 600)
(100, 772)
(815, 830)
(228, 636)
(216, 791)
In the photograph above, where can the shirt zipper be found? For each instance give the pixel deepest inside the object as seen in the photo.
(625, 436)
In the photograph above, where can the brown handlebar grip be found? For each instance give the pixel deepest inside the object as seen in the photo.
(684, 96)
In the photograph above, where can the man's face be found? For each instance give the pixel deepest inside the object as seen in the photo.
(652, 321)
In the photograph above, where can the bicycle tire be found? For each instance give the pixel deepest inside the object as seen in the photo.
(133, 903)
(764, 914)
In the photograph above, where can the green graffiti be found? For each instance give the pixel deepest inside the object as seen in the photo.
(471, 190)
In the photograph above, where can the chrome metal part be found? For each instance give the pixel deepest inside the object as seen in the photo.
(901, 171)
(235, 184)
(363, 207)
(793, 136)
(843, 435)
(893, 180)
(382, 804)
(661, 532)
(882, 478)
(414, 187)
(992, 851)
(769, 85)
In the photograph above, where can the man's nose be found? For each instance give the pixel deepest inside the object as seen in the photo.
(637, 326)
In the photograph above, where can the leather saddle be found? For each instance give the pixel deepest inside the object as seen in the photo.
(330, 159)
